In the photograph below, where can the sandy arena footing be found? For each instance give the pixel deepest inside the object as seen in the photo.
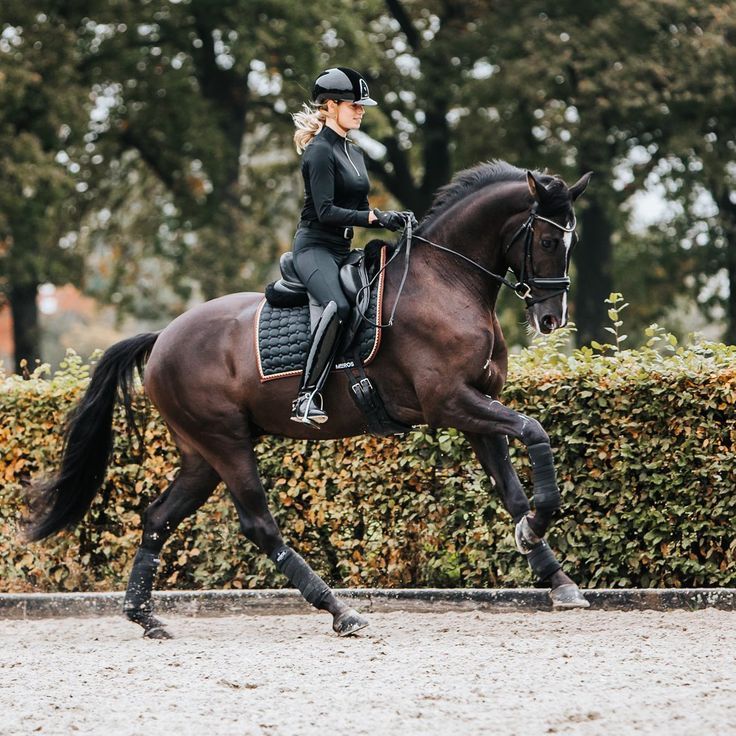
(470, 672)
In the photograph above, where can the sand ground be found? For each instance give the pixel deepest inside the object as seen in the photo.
(579, 672)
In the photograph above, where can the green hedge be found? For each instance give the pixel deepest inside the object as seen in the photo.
(644, 443)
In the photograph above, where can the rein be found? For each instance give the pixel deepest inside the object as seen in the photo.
(522, 288)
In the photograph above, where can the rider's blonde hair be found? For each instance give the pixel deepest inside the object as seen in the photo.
(308, 121)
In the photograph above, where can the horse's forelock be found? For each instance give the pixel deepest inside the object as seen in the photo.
(557, 200)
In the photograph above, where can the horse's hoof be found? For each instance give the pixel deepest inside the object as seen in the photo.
(157, 632)
(567, 596)
(349, 622)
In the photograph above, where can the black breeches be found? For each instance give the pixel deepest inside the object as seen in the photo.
(319, 270)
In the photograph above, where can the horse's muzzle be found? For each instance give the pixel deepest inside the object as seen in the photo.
(548, 323)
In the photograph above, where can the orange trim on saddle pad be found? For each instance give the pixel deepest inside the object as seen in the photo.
(376, 339)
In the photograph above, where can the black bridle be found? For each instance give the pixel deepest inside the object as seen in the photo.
(522, 288)
(557, 284)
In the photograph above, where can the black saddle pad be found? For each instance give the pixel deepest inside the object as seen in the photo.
(283, 333)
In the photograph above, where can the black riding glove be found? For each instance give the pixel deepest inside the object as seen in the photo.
(390, 219)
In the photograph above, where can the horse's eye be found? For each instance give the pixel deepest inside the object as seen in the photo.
(549, 243)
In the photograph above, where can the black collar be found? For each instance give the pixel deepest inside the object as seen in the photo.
(331, 135)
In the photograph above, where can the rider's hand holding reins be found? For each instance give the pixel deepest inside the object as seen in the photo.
(393, 220)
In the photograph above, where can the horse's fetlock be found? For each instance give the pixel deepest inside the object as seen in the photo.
(138, 612)
(301, 576)
(525, 537)
(542, 561)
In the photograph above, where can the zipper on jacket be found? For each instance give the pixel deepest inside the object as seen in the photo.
(345, 144)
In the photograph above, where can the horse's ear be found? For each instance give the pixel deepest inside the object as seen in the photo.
(579, 186)
(536, 188)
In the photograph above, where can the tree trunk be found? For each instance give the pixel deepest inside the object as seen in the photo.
(594, 280)
(26, 331)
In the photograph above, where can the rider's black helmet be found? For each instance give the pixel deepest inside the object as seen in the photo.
(341, 83)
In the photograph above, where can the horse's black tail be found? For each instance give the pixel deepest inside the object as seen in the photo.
(88, 440)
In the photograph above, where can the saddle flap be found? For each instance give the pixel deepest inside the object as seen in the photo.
(283, 335)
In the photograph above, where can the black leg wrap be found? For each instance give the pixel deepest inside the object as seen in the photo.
(546, 492)
(301, 575)
(543, 561)
(138, 602)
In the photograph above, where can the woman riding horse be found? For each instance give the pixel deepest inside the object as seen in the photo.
(443, 363)
(336, 190)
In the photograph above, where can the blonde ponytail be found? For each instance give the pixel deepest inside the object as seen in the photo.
(308, 122)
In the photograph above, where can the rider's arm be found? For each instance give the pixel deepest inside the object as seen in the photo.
(322, 187)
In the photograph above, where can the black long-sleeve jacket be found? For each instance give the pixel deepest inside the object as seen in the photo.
(336, 182)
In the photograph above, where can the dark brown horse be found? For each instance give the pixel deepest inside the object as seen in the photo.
(443, 363)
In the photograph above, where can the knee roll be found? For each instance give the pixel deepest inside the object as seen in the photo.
(546, 493)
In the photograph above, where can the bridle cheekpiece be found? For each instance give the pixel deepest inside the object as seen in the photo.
(523, 288)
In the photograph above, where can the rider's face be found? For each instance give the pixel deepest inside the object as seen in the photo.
(348, 115)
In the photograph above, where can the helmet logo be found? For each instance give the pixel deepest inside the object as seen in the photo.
(363, 89)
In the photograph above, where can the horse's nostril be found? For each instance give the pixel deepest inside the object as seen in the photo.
(550, 322)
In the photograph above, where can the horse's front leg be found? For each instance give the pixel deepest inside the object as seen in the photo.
(488, 423)
(493, 453)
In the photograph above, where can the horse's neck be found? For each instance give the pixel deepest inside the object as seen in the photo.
(476, 231)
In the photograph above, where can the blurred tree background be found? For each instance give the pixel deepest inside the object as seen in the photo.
(146, 154)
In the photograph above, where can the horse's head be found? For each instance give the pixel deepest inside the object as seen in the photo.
(539, 252)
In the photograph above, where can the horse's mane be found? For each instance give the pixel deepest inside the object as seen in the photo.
(481, 175)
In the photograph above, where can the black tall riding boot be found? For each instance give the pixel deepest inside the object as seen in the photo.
(308, 406)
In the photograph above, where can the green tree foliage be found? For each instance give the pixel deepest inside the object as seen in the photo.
(700, 172)
(43, 112)
(611, 86)
(175, 116)
(199, 93)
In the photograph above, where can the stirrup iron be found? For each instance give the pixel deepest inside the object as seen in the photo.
(308, 408)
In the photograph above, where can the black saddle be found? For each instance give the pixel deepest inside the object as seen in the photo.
(356, 272)
(283, 334)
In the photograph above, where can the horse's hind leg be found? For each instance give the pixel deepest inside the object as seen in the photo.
(192, 486)
(493, 453)
(237, 465)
